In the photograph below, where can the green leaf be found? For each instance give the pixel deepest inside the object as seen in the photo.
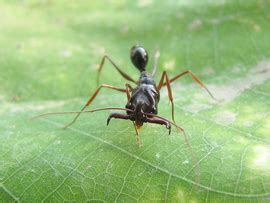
(49, 54)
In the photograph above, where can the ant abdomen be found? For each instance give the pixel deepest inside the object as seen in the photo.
(139, 57)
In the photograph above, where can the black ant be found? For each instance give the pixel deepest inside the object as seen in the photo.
(142, 105)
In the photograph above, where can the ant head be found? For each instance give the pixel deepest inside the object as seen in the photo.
(139, 57)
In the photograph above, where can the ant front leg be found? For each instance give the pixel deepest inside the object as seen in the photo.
(91, 99)
(122, 73)
(167, 83)
(129, 89)
(195, 78)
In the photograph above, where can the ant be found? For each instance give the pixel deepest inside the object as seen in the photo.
(142, 104)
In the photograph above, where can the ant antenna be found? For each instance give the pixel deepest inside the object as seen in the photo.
(88, 111)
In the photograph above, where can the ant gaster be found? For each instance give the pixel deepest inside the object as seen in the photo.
(142, 104)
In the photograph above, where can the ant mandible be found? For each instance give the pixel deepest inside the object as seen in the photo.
(142, 104)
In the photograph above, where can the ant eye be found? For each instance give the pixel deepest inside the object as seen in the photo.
(154, 110)
(139, 57)
(130, 106)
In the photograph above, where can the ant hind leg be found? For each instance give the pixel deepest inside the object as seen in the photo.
(195, 78)
(122, 73)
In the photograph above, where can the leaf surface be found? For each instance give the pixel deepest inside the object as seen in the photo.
(49, 54)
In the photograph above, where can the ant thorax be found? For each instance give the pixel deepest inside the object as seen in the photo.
(146, 78)
(144, 97)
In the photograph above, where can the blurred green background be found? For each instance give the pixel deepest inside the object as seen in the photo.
(49, 54)
(57, 45)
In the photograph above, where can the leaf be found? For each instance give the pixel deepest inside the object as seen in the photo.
(48, 56)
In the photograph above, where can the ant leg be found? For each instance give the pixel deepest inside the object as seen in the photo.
(160, 122)
(126, 76)
(128, 90)
(92, 98)
(167, 83)
(195, 78)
